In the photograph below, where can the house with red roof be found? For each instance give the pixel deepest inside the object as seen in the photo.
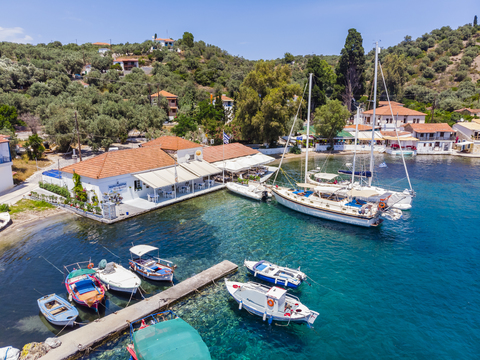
(164, 42)
(227, 106)
(182, 150)
(171, 99)
(433, 138)
(401, 117)
(468, 111)
(126, 63)
(6, 175)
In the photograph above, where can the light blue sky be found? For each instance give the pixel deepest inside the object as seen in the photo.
(252, 29)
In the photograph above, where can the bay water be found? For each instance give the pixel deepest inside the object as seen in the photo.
(408, 289)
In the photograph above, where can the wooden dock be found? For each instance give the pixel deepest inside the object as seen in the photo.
(87, 337)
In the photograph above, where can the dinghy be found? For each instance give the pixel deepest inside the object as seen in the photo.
(57, 310)
(272, 303)
(116, 277)
(4, 220)
(258, 192)
(150, 267)
(165, 336)
(83, 287)
(275, 274)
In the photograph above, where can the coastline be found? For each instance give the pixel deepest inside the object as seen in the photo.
(311, 154)
(29, 218)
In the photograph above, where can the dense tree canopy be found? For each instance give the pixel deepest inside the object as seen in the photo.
(323, 80)
(330, 119)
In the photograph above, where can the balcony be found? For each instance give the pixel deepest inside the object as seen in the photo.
(436, 138)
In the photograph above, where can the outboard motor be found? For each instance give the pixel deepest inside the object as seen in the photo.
(264, 195)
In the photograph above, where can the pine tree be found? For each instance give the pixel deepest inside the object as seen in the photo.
(475, 21)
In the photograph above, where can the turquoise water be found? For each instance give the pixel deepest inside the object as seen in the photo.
(409, 289)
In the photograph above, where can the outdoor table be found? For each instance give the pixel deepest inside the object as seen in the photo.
(169, 194)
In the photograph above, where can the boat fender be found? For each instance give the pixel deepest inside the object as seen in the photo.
(270, 319)
(264, 315)
(90, 265)
(270, 302)
(240, 305)
(108, 287)
(70, 297)
(255, 274)
(276, 281)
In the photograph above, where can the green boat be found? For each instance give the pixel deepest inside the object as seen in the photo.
(165, 336)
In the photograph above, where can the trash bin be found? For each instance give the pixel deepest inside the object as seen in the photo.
(127, 213)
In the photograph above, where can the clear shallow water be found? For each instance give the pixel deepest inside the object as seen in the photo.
(408, 289)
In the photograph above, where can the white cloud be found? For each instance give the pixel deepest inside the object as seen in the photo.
(14, 35)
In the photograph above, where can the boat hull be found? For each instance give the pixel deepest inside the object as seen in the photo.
(272, 280)
(57, 310)
(324, 214)
(244, 191)
(89, 303)
(150, 275)
(121, 280)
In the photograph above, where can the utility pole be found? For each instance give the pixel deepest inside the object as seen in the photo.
(78, 137)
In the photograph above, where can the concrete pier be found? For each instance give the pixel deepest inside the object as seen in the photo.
(79, 341)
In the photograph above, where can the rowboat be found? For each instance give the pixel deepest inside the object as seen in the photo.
(165, 336)
(272, 303)
(83, 287)
(4, 220)
(149, 266)
(116, 277)
(278, 275)
(57, 310)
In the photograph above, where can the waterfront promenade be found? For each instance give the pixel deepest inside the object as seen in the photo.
(87, 337)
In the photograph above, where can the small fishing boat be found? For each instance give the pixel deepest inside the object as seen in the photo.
(255, 192)
(83, 287)
(278, 275)
(4, 220)
(116, 277)
(150, 267)
(165, 336)
(57, 310)
(272, 303)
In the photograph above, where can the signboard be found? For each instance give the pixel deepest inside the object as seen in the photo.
(117, 187)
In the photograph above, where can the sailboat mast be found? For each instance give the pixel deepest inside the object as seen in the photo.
(374, 108)
(357, 119)
(308, 126)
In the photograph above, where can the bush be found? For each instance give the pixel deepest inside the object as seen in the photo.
(62, 191)
(428, 73)
(426, 60)
(431, 56)
(4, 208)
(421, 81)
(422, 66)
(295, 150)
(461, 75)
(467, 60)
(411, 70)
(439, 66)
(439, 50)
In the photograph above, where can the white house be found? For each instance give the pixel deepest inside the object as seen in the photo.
(165, 42)
(227, 106)
(401, 115)
(434, 138)
(6, 175)
(103, 50)
(468, 135)
(126, 63)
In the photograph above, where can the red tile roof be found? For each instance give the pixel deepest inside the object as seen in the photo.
(361, 127)
(474, 111)
(393, 133)
(385, 103)
(228, 151)
(125, 59)
(121, 162)
(164, 94)
(160, 39)
(101, 44)
(400, 110)
(3, 138)
(429, 128)
(224, 98)
(172, 143)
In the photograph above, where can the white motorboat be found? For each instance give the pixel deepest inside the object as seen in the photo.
(272, 303)
(116, 277)
(255, 192)
(280, 275)
(4, 219)
(151, 267)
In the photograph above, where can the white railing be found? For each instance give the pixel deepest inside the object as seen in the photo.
(273, 151)
(322, 148)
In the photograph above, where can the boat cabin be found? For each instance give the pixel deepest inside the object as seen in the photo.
(276, 296)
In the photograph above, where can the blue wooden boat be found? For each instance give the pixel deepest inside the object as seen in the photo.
(275, 274)
(57, 310)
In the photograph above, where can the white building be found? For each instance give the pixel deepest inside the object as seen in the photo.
(435, 138)
(126, 63)
(165, 42)
(401, 115)
(6, 175)
(468, 134)
(227, 106)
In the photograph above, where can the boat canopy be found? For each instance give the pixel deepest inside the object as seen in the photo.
(325, 176)
(141, 250)
(79, 272)
(365, 193)
(170, 340)
(305, 185)
(357, 173)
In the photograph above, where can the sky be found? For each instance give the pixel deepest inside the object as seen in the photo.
(251, 29)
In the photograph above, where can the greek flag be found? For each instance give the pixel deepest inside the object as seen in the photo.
(225, 138)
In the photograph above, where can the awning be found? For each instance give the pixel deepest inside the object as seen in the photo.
(325, 176)
(262, 159)
(367, 135)
(165, 177)
(154, 179)
(201, 168)
(182, 174)
(231, 166)
(401, 138)
(304, 185)
(246, 162)
(362, 193)
(140, 250)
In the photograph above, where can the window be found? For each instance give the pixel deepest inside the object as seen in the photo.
(137, 185)
(441, 134)
(431, 135)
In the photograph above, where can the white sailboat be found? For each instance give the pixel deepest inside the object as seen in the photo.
(344, 204)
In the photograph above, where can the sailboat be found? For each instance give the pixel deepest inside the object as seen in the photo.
(343, 204)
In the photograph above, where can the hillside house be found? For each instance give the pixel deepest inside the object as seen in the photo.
(468, 136)
(467, 111)
(385, 103)
(171, 99)
(164, 42)
(182, 150)
(432, 138)
(227, 106)
(126, 63)
(401, 117)
(6, 175)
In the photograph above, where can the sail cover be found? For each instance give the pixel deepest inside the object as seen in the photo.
(173, 340)
(357, 173)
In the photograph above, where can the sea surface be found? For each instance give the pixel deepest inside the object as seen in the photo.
(406, 290)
